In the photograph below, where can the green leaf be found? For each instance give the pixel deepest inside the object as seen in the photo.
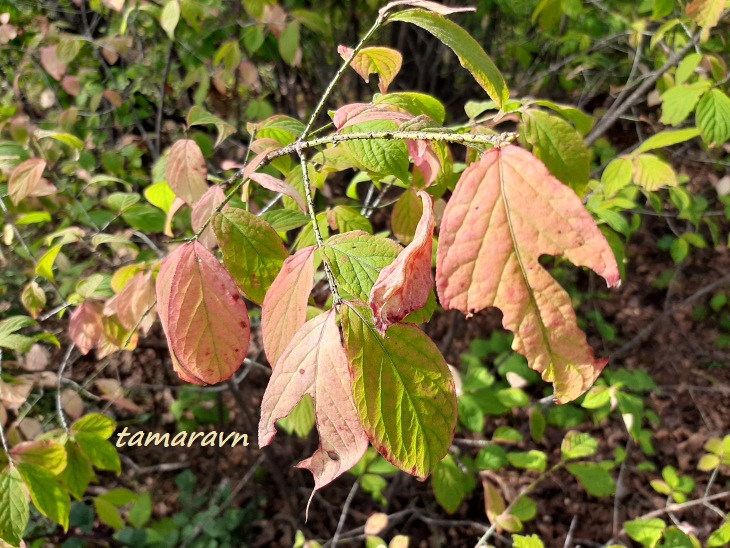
(467, 49)
(406, 214)
(44, 267)
(687, 67)
(348, 218)
(524, 509)
(379, 156)
(647, 532)
(48, 496)
(108, 514)
(582, 121)
(679, 102)
(668, 138)
(449, 484)
(518, 541)
(14, 511)
(513, 397)
(119, 497)
(528, 460)
(403, 391)
(284, 220)
(144, 218)
(662, 8)
(102, 454)
(199, 116)
(78, 473)
(283, 129)
(560, 147)
(141, 512)
(36, 217)
(8, 333)
(594, 478)
(301, 420)
(96, 424)
(252, 251)
(170, 17)
(45, 454)
(713, 117)
(721, 537)
(674, 538)
(506, 434)
(679, 250)
(617, 175)
(415, 103)
(651, 173)
(578, 445)
(289, 43)
(492, 457)
(65, 138)
(356, 259)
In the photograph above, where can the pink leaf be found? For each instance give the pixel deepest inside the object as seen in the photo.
(186, 171)
(425, 159)
(203, 315)
(285, 305)
(275, 185)
(507, 211)
(134, 301)
(315, 363)
(177, 203)
(204, 210)
(404, 285)
(52, 64)
(385, 62)
(427, 5)
(85, 327)
(27, 180)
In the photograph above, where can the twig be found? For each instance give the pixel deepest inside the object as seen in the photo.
(571, 531)
(616, 110)
(343, 515)
(61, 370)
(165, 76)
(677, 507)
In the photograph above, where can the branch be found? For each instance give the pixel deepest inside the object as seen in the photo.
(617, 109)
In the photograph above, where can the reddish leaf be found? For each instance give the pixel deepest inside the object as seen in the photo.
(285, 305)
(203, 315)
(275, 185)
(85, 327)
(52, 64)
(174, 208)
(204, 210)
(385, 62)
(425, 159)
(359, 113)
(27, 180)
(186, 171)
(134, 301)
(315, 363)
(404, 285)
(505, 212)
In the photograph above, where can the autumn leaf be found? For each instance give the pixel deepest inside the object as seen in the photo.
(203, 316)
(403, 390)
(133, 302)
(403, 286)
(203, 210)
(315, 363)
(285, 306)
(27, 180)
(186, 171)
(706, 12)
(385, 62)
(507, 211)
(276, 185)
(85, 326)
(51, 63)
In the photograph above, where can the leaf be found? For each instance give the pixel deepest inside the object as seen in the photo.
(427, 5)
(186, 171)
(379, 156)
(470, 53)
(85, 326)
(26, 180)
(356, 259)
(679, 102)
(252, 251)
(160, 195)
(141, 512)
(651, 173)
(415, 103)
(403, 390)
(594, 478)
(617, 175)
(169, 17)
(108, 514)
(102, 454)
(706, 12)
(385, 62)
(45, 454)
(528, 460)
(14, 511)
(78, 473)
(289, 44)
(285, 306)
(347, 218)
(713, 117)
(510, 200)
(284, 220)
(95, 424)
(533, 541)
(203, 316)
(52, 64)
(204, 210)
(199, 116)
(560, 147)
(277, 185)
(48, 496)
(687, 67)
(577, 445)
(315, 363)
(406, 215)
(404, 285)
(582, 121)
(65, 138)
(667, 138)
(449, 484)
(647, 532)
